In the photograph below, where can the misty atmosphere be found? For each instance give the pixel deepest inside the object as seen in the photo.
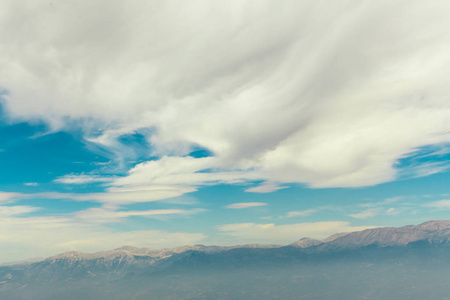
(238, 149)
(411, 262)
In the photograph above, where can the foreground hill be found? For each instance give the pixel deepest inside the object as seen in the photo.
(410, 262)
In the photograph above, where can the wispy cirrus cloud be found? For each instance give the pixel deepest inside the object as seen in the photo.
(245, 205)
(368, 213)
(265, 188)
(8, 211)
(114, 196)
(302, 213)
(283, 234)
(116, 214)
(9, 196)
(24, 235)
(444, 204)
(82, 179)
(393, 211)
(47, 235)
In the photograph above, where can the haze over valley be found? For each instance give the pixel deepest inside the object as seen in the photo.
(410, 262)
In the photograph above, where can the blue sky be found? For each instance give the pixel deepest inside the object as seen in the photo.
(218, 123)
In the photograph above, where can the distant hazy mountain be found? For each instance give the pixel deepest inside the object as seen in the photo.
(410, 262)
(23, 262)
(306, 242)
(432, 231)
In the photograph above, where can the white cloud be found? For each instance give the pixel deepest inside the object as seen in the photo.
(8, 196)
(393, 211)
(327, 94)
(444, 204)
(245, 205)
(265, 188)
(82, 179)
(283, 234)
(8, 211)
(31, 184)
(114, 196)
(113, 214)
(43, 236)
(187, 171)
(425, 169)
(368, 213)
(166, 178)
(392, 200)
(303, 213)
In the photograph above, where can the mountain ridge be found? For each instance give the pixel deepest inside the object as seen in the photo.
(433, 231)
(415, 251)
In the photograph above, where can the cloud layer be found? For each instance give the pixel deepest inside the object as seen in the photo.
(34, 236)
(328, 94)
(245, 205)
(283, 234)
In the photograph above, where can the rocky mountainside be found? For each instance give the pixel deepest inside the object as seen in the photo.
(306, 242)
(105, 265)
(431, 231)
(125, 257)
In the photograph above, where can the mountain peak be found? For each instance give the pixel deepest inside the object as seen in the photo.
(127, 248)
(432, 231)
(69, 255)
(305, 243)
(435, 225)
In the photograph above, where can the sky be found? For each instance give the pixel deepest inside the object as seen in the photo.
(165, 123)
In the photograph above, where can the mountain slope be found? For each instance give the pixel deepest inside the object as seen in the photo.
(432, 231)
(365, 263)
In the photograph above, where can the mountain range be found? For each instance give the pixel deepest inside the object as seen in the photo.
(403, 263)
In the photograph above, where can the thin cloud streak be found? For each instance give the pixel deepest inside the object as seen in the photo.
(368, 213)
(42, 236)
(442, 204)
(82, 179)
(303, 213)
(25, 236)
(283, 234)
(245, 205)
